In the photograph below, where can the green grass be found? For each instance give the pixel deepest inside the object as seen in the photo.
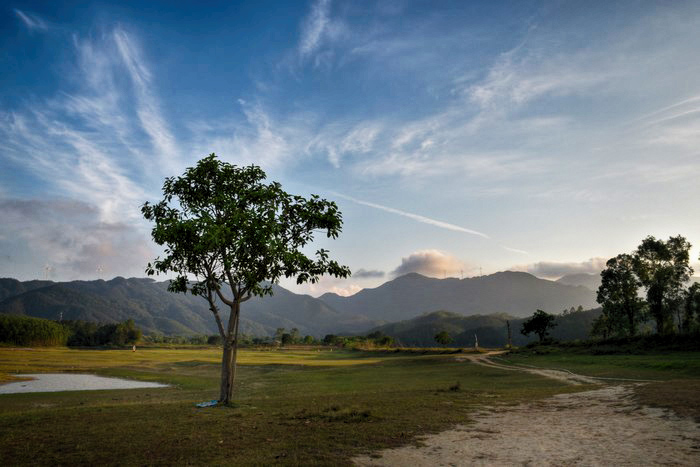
(292, 407)
(654, 366)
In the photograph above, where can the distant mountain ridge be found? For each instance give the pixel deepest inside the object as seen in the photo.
(515, 293)
(154, 309)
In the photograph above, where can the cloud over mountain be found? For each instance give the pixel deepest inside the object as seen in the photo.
(553, 269)
(368, 274)
(433, 263)
(66, 238)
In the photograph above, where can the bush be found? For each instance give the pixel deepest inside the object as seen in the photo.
(215, 339)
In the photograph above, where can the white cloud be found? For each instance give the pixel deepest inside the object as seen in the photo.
(68, 236)
(33, 22)
(351, 289)
(433, 263)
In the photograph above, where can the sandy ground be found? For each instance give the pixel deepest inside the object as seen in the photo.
(602, 427)
(54, 382)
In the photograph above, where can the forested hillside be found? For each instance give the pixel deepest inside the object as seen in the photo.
(491, 330)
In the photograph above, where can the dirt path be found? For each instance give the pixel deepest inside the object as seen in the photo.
(600, 427)
(559, 375)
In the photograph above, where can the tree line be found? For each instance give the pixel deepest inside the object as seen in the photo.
(28, 331)
(649, 287)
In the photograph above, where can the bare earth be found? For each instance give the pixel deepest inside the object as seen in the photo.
(600, 427)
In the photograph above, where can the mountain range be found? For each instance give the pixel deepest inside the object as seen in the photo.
(516, 293)
(154, 309)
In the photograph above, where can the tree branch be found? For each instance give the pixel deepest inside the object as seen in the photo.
(215, 311)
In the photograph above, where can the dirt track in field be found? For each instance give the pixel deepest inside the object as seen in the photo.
(599, 427)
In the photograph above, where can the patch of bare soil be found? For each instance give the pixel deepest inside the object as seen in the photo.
(601, 427)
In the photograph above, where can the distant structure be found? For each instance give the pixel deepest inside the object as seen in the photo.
(476, 342)
(47, 271)
(100, 270)
(510, 336)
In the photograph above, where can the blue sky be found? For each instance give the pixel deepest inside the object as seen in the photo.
(537, 136)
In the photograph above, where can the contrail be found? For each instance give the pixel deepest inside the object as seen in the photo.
(515, 250)
(415, 217)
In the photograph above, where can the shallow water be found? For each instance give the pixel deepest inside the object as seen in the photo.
(54, 382)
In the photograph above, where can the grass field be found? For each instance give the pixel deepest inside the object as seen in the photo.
(293, 407)
(652, 366)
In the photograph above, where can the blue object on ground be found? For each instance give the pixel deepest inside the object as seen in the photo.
(210, 403)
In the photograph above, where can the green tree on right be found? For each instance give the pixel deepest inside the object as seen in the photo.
(662, 271)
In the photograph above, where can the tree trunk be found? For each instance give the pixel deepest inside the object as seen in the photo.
(228, 361)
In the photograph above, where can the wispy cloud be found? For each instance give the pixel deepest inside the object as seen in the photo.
(84, 142)
(314, 27)
(148, 109)
(317, 29)
(415, 217)
(260, 138)
(33, 22)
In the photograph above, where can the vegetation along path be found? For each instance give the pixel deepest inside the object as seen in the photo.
(604, 426)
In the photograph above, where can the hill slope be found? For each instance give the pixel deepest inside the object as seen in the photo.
(515, 293)
(491, 330)
(154, 309)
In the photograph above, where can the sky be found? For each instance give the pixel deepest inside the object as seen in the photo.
(457, 138)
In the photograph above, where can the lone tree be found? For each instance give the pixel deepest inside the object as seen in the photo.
(229, 236)
(540, 323)
(443, 338)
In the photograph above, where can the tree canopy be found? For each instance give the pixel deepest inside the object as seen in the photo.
(223, 227)
(662, 270)
(443, 338)
(539, 323)
(619, 295)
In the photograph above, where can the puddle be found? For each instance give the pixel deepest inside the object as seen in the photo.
(54, 382)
